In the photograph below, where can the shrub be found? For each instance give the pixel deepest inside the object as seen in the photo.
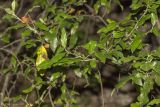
(54, 44)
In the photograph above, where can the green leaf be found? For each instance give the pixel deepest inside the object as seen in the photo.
(157, 52)
(54, 43)
(128, 59)
(26, 33)
(146, 66)
(60, 50)
(57, 57)
(13, 61)
(144, 19)
(154, 18)
(91, 46)
(13, 5)
(78, 73)
(101, 55)
(6, 39)
(74, 29)
(17, 26)
(145, 90)
(73, 40)
(9, 11)
(93, 63)
(63, 89)
(17, 98)
(55, 76)
(41, 26)
(73, 37)
(157, 79)
(52, 39)
(44, 65)
(68, 61)
(39, 81)
(63, 38)
(135, 44)
(117, 54)
(153, 102)
(157, 2)
(123, 81)
(29, 43)
(136, 4)
(143, 97)
(137, 79)
(118, 34)
(137, 64)
(28, 90)
(96, 6)
(48, 63)
(108, 28)
(156, 31)
(137, 104)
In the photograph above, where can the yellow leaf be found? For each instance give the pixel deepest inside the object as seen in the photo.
(41, 55)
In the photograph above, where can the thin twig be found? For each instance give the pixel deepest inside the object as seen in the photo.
(50, 96)
(10, 52)
(16, 41)
(97, 16)
(20, 8)
(136, 25)
(94, 14)
(101, 86)
(5, 85)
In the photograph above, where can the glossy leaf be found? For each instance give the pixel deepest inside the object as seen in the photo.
(135, 44)
(154, 18)
(13, 5)
(54, 43)
(52, 39)
(73, 37)
(63, 38)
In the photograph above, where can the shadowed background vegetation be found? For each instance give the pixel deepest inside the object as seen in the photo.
(79, 53)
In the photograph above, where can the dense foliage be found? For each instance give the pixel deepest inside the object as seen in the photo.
(54, 44)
